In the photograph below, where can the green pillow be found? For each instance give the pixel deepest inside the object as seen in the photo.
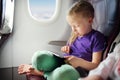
(44, 60)
(65, 72)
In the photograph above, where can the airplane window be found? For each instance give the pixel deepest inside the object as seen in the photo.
(42, 9)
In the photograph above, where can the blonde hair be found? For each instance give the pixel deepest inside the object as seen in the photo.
(82, 8)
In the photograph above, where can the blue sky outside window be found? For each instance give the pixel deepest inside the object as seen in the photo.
(42, 9)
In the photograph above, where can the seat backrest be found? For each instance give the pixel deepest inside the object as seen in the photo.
(105, 15)
(106, 19)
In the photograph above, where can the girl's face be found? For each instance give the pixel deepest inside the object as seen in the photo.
(80, 25)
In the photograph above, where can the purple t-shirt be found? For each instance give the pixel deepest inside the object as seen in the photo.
(83, 47)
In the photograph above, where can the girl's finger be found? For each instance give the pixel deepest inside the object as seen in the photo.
(66, 57)
(67, 49)
(70, 58)
(31, 68)
(63, 49)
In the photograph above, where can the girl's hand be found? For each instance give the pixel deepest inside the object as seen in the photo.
(72, 60)
(65, 49)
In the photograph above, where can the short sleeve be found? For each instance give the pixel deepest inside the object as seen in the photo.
(99, 42)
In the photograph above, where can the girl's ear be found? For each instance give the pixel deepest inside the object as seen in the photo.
(90, 20)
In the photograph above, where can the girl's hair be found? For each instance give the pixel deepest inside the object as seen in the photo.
(82, 8)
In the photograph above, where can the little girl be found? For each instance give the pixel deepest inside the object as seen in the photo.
(82, 53)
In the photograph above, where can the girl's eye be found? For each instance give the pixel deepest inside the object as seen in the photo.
(78, 25)
(75, 26)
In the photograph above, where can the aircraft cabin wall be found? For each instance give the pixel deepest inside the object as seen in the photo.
(30, 35)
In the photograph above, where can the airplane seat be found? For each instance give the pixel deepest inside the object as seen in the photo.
(106, 21)
(3, 35)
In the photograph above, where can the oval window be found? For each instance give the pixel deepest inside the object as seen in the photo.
(42, 9)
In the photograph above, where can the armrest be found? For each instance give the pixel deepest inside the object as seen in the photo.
(58, 43)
